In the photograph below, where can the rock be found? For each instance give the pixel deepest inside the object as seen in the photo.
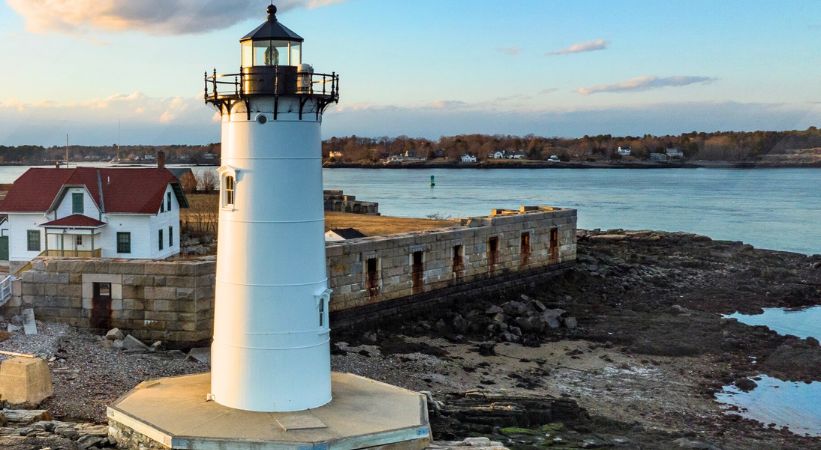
(11, 328)
(460, 324)
(570, 323)
(370, 336)
(678, 309)
(201, 354)
(4, 335)
(88, 441)
(539, 306)
(118, 344)
(687, 443)
(487, 348)
(67, 431)
(594, 443)
(132, 344)
(745, 384)
(515, 308)
(156, 346)
(531, 323)
(115, 334)
(29, 324)
(493, 310)
(26, 416)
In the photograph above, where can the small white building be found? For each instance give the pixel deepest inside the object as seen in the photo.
(674, 153)
(515, 155)
(94, 212)
(623, 151)
(468, 158)
(498, 154)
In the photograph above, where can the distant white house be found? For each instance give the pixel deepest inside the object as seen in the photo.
(498, 154)
(623, 151)
(554, 159)
(659, 157)
(94, 212)
(468, 158)
(515, 155)
(674, 153)
(407, 156)
(335, 154)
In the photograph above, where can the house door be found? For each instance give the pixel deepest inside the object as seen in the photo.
(4, 248)
(101, 306)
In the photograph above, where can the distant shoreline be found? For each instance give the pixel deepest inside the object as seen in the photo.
(573, 165)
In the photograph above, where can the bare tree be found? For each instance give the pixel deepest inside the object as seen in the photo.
(188, 182)
(207, 181)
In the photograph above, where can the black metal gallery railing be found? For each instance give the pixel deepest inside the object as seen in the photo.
(276, 81)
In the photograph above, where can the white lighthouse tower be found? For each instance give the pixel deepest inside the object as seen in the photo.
(271, 336)
(270, 383)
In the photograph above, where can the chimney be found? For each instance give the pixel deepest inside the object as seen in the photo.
(161, 159)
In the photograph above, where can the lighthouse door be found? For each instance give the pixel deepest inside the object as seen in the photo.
(101, 306)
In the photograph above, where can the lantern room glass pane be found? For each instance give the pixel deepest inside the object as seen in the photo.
(271, 53)
(296, 54)
(247, 54)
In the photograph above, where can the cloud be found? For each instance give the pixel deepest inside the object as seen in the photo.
(162, 17)
(581, 47)
(644, 83)
(510, 51)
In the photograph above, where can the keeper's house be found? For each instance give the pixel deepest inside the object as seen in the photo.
(94, 212)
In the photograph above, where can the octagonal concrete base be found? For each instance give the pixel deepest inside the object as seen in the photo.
(174, 413)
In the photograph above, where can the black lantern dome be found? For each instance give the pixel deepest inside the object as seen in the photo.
(271, 44)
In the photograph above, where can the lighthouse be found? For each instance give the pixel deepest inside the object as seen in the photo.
(270, 351)
(270, 384)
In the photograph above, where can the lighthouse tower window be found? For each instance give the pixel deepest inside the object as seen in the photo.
(228, 192)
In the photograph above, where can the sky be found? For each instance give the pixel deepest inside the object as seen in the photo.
(107, 71)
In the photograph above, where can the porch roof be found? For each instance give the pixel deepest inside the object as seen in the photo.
(74, 221)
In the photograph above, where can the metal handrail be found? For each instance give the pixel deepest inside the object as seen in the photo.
(232, 82)
(6, 289)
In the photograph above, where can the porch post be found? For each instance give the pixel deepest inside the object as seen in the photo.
(92, 244)
(46, 231)
(63, 243)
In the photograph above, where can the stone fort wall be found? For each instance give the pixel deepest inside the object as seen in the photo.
(173, 301)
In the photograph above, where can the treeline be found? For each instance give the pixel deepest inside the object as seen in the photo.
(175, 154)
(716, 146)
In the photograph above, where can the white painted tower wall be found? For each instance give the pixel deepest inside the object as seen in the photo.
(271, 337)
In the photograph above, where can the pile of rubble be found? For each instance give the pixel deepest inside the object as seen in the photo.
(115, 338)
(26, 429)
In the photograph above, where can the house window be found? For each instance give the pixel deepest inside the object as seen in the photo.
(168, 200)
(78, 241)
(170, 237)
(321, 312)
(228, 192)
(160, 240)
(123, 242)
(77, 203)
(33, 244)
(162, 207)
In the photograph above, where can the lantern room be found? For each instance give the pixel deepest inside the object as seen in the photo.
(271, 44)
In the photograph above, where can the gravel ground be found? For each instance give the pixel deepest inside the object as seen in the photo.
(87, 374)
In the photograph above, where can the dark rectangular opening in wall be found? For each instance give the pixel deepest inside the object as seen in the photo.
(524, 250)
(418, 271)
(554, 244)
(458, 264)
(372, 277)
(101, 306)
(492, 252)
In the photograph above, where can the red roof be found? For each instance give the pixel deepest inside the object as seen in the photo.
(125, 190)
(75, 221)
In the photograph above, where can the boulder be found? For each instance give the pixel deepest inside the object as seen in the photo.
(515, 308)
(493, 310)
(531, 324)
(26, 416)
(25, 381)
(132, 344)
(115, 334)
(460, 324)
(570, 323)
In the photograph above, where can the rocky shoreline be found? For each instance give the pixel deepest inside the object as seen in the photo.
(624, 350)
(633, 335)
